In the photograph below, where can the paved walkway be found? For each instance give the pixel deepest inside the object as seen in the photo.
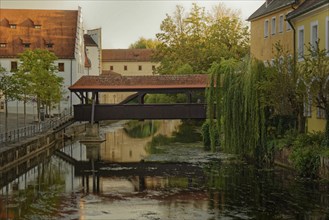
(15, 122)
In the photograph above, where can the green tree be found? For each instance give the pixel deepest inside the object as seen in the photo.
(143, 43)
(244, 111)
(315, 80)
(199, 38)
(9, 90)
(38, 68)
(283, 96)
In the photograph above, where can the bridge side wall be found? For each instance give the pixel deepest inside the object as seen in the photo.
(130, 112)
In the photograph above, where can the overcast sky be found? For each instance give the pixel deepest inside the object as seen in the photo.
(123, 21)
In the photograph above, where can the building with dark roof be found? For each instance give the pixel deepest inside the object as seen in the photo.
(93, 52)
(269, 26)
(311, 24)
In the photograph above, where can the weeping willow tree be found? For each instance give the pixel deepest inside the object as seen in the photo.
(243, 110)
(214, 99)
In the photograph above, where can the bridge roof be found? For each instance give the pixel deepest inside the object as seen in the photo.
(135, 83)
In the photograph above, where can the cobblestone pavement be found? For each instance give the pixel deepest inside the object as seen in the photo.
(15, 121)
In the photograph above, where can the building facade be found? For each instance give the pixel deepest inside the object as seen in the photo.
(269, 26)
(59, 31)
(93, 52)
(130, 62)
(311, 23)
(126, 62)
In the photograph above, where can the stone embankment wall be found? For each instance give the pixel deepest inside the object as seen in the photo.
(282, 158)
(20, 152)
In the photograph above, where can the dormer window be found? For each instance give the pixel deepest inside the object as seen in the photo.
(26, 45)
(37, 26)
(49, 45)
(12, 26)
(3, 45)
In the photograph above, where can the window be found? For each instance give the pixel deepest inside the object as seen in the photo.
(327, 35)
(281, 24)
(320, 113)
(61, 67)
(111, 68)
(49, 45)
(13, 66)
(2, 105)
(266, 28)
(153, 67)
(125, 68)
(26, 45)
(300, 42)
(3, 45)
(12, 26)
(273, 24)
(139, 67)
(314, 35)
(37, 26)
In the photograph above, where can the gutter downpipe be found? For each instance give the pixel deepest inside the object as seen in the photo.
(294, 34)
(71, 79)
(294, 40)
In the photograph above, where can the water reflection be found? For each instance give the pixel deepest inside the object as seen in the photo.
(128, 143)
(181, 181)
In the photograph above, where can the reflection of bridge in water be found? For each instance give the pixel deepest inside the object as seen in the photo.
(88, 89)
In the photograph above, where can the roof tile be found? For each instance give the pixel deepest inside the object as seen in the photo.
(56, 26)
(114, 82)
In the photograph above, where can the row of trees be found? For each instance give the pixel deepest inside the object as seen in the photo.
(35, 80)
(254, 96)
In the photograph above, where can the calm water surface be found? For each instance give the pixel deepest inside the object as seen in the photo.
(157, 170)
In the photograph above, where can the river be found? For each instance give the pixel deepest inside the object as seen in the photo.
(157, 170)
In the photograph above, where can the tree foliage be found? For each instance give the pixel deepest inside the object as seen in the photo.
(9, 90)
(198, 38)
(283, 96)
(143, 43)
(244, 111)
(315, 80)
(37, 76)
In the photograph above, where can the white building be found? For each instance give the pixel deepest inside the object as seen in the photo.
(59, 31)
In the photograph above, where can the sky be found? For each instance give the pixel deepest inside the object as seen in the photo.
(123, 22)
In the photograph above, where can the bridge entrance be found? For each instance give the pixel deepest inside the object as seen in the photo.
(88, 89)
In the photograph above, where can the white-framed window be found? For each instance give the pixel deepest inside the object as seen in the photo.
(300, 42)
(287, 24)
(314, 34)
(273, 26)
(308, 107)
(327, 35)
(281, 23)
(266, 28)
(320, 113)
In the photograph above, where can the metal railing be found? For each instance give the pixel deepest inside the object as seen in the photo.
(19, 134)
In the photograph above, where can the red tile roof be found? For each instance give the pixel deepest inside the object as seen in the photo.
(130, 55)
(57, 28)
(113, 82)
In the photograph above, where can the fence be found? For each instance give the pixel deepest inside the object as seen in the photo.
(31, 130)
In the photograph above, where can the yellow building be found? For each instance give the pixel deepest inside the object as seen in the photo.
(311, 23)
(269, 26)
(126, 62)
(130, 62)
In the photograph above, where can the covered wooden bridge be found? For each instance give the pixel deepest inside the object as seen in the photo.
(88, 89)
